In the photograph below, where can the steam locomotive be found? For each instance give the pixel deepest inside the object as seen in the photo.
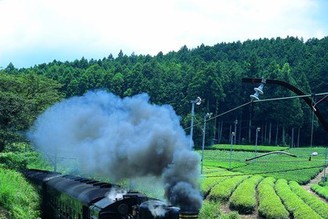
(72, 197)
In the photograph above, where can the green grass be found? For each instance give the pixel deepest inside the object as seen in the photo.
(211, 210)
(270, 205)
(36, 161)
(259, 148)
(17, 196)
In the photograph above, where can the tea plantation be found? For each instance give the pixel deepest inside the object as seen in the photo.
(267, 187)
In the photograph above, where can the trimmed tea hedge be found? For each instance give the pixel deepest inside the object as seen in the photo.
(294, 204)
(223, 190)
(243, 198)
(315, 203)
(214, 177)
(209, 182)
(270, 205)
(322, 191)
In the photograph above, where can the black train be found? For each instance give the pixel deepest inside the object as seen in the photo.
(71, 197)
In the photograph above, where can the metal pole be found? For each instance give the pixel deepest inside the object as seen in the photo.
(198, 102)
(203, 145)
(257, 134)
(324, 178)
(231, 140)
(235, 140)
(192, 123)
(311, 140)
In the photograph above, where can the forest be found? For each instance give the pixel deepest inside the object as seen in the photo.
(213, 73)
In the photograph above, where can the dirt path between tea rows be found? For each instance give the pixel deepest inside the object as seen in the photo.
(316, 180)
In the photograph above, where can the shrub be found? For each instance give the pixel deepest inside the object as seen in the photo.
(243, 198)
(293, 203)
(210, 209)
(270, 205)
(223, 190)
(13, 160)
(315, 203)
(18, 196)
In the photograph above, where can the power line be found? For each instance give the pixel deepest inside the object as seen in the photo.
(233, 109)
(265, 100)
(245, 104)
(291, 97)
(320, 100)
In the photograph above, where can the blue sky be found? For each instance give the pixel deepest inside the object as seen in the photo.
(39, 31)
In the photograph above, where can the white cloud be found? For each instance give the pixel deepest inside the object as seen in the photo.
(70, 29)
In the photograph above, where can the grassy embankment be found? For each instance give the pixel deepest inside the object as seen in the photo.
(18, 198)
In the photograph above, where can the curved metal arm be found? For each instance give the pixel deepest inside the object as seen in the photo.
(308, 100)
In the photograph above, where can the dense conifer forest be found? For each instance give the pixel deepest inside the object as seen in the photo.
(213, 73)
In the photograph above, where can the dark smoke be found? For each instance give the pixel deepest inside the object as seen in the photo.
(122, 138)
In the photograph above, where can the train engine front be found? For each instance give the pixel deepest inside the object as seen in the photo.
(133, 205)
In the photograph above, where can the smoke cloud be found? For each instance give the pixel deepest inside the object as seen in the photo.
(121, 139)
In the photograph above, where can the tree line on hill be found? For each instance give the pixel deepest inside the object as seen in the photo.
(213, 73)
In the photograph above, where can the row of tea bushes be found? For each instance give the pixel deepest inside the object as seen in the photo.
(321, 190)
(270, 205)
(213, 177)
(244, 197)
(223, 190)
(315, 203)
(272, 198)
(294, 204)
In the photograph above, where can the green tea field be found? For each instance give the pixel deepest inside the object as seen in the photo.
(279, 185)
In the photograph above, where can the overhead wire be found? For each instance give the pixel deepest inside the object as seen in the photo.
(221, 114)
(265, 100)
(291, 97)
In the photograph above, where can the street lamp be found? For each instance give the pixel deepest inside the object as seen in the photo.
(258, 129)
(198, 101)
(207, 115)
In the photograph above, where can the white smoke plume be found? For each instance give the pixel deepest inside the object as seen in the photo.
(116, 193)
(120, 139)
(156, 208)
